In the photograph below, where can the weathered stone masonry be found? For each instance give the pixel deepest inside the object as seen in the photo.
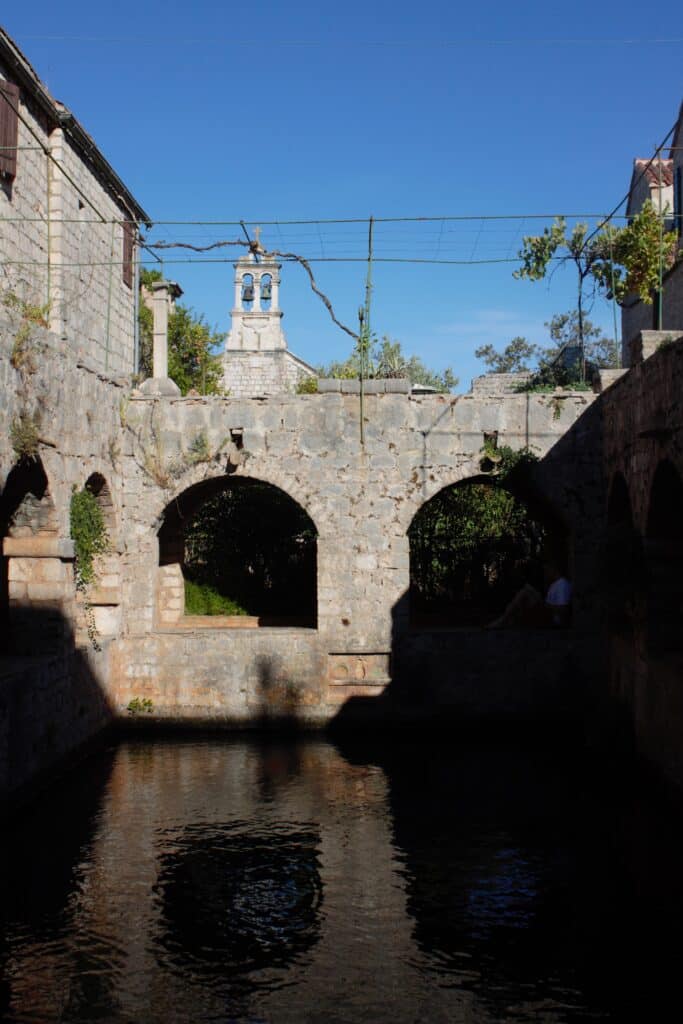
(361, 502)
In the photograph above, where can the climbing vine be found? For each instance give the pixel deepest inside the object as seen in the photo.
(89, 535)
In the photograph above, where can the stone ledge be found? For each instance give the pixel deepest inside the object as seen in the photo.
(38, 547)
(341, 693)
(105, 596)
(194, 623)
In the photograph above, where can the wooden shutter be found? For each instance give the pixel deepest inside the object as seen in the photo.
(128, 245)
(9, 128)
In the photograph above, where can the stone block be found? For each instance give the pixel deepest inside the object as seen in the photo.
(46, 591)
(52, 570)
(101, 595)
(17, 591)
(397, 386)
(350, 387)
(20, 570)
(329, 385)
(38, 547)
(107, 620)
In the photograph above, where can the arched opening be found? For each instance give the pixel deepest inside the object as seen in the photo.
(99, 488)
(104, 596)
(664, 559)
(474, 547)
(266, 291)
(623, 558)
(26, 512)
(245, 549)
(248, 292)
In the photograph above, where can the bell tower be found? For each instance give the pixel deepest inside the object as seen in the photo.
(256, 314)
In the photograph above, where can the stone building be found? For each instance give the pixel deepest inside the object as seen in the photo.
(69, 226)
(661, 181)
(257, 361)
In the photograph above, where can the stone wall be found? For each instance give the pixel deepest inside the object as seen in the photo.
(643, 431)
(638, 316)
(495, 384)
(362, 499)
(53, 683)
(61, 245)
(25, 209)
(249, 374)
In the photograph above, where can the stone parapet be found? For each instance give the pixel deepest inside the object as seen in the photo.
(646, 343)
(499, 383)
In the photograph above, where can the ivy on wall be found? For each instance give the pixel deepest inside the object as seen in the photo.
(89, 534)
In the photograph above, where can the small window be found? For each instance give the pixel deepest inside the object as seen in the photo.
(128, 248)
(9, 129)
(678, 199)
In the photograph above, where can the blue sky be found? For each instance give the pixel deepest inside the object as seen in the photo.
(278, 111)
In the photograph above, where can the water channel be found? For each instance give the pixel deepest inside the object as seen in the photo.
(241, 880)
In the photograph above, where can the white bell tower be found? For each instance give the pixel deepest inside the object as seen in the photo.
(256, 314)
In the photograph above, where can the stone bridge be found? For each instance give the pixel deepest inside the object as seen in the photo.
(146, 458)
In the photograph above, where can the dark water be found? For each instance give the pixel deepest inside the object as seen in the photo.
(242, 881)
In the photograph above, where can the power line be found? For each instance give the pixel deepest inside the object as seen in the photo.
(289, 259)
(373, 43)
(632, 187)
(319, 220)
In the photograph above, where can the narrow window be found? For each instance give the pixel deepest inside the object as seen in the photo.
(128, 246)
(9, 127)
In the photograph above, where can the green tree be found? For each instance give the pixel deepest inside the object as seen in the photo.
(601, 352)
(471, 544)
(387, 360)
(560, 363)
(619, 261)
(517, 357)
(193, 359)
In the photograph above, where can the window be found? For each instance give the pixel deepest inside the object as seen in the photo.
(678, 199)
(9, 125)
(128, 247)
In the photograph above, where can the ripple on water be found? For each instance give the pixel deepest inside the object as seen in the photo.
(237, 898)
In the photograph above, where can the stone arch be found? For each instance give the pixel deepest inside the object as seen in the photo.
(26, 505)
(99, 488)
(266, 472)
(543, 539)
(183, 552)
(248, 292)
(265, 286)
(35, 579)
(104, 597)
(664, 562)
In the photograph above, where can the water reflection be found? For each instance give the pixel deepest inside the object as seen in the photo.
(240, 881)
(237, 898)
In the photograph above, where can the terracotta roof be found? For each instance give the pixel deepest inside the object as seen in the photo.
(653, 171)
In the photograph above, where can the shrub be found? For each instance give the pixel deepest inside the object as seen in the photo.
(203, 599)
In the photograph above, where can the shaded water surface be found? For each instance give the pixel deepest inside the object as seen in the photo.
(232, 880)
